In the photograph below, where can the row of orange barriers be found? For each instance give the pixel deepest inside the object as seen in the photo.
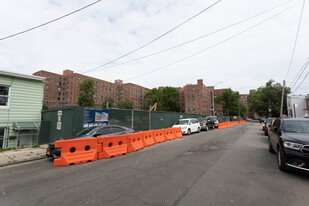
(228, 124)
(79, 151)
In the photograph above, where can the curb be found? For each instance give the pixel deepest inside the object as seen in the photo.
(23, 161)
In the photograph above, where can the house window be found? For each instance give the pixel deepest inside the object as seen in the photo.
(4, 96)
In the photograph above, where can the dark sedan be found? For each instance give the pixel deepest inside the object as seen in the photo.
(104, 130)
(289, 138)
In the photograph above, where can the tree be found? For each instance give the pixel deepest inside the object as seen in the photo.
(110, 102)
(127, 104)
(239, 109)
(266, 101)
(229, 101)
(153, 96)
(170, 99)
(166, 98)
(86, 92)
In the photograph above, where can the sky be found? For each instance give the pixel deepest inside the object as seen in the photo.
(112, 28)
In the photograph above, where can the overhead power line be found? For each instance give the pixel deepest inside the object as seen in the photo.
(303, 79)
(296, 38)
(300, 73)
(221, 42)
(155, 39)
(196, 39)
(49, 22)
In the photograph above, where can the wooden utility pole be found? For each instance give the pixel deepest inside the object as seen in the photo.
(281, 109)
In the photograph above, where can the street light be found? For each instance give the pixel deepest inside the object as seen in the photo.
(213, 99)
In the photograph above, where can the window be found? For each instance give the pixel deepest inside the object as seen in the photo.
(4, 96)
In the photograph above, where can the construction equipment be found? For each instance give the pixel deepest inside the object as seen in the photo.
(154, 107)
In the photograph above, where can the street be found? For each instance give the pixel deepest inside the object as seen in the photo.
(219, 167)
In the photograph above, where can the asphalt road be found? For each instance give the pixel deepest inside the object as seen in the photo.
(221, 167)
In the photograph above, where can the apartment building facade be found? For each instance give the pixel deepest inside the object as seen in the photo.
(196, 98)
(63, 90)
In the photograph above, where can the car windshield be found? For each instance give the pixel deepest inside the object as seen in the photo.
(296, 126)
(202, 119)
(87, 131)
(213, 118)
(182, 122)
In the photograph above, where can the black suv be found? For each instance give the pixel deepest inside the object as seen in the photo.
(289, 138)
(206, 123)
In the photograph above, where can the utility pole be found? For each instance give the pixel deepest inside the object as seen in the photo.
(213, 102)
(213, 99)
(281, 109)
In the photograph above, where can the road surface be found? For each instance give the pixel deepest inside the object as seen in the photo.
(221, 167)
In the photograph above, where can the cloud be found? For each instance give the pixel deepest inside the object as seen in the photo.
(112, 28)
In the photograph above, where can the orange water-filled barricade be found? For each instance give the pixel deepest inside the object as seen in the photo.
(178, 133)
(113, 146)
(135, 142)
(158, 136)
(147, 138)
(77, 151)
(169, 134)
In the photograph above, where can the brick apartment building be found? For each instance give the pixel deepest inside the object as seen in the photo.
(196, 98)
(244, 98)
(62, 90)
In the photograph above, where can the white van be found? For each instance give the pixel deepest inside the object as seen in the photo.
(188, 125)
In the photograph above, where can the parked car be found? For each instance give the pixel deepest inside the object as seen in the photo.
(215, 120)
(262, 120)
(267, 124)
(188, 126)
(206, 123)
(104, 130)
(289, 138)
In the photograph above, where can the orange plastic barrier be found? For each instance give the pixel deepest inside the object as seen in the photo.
(113, 146)
(169, 134)
(158, 136)
(177, 131)
(77, 151)
(147, 138)
(135, 142)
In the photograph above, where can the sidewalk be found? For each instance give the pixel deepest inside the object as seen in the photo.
(22, 155)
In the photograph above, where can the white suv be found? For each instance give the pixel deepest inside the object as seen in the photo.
(188, 125)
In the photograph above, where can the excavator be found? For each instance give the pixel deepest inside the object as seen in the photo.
(154, 107)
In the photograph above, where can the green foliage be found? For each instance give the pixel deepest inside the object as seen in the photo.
(166, 98)
(110, 102)
(86, 92)
(239, 109)
(229, 101)
(269, 97)
(127, 104)
(44, 107)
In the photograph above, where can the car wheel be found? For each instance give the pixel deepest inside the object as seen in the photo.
(270, 148)
(198, 130)
(189, 131)
(281, 162)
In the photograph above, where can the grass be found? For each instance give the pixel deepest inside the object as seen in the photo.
(21, 147)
